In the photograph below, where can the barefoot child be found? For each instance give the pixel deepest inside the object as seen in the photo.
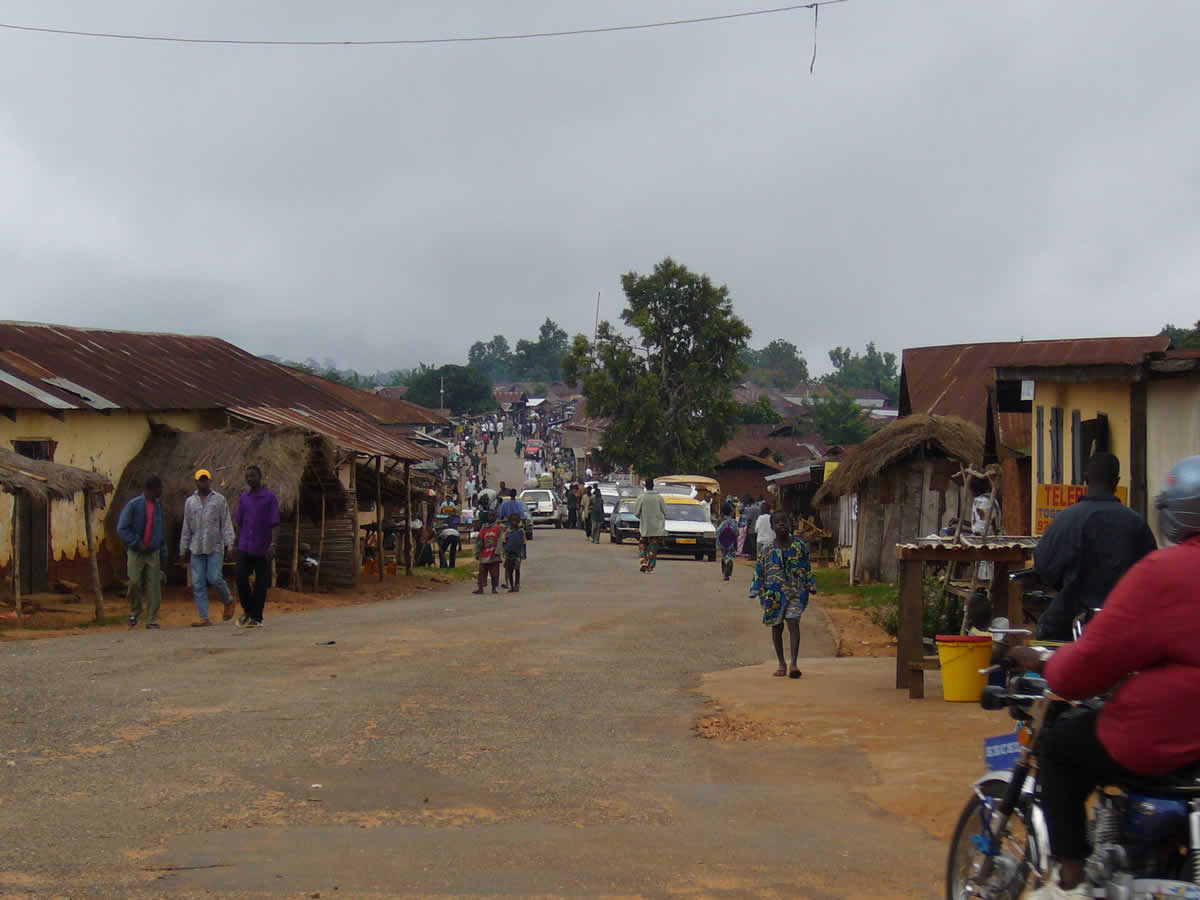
(514, 551)
(727, 540)
(782, 582)
(487, 549)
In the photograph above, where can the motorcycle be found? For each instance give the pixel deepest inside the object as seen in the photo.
(1145, 833)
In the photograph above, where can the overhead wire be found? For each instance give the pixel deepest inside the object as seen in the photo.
(466, 39)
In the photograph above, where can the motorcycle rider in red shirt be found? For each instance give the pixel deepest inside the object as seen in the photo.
(1144, 647)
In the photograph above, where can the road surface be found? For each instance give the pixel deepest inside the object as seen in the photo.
(539, 744)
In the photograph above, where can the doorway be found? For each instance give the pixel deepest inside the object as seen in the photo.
(33, 520)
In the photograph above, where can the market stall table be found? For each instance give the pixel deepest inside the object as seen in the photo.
(1005, 552)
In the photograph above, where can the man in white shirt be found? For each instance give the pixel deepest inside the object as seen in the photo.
(763, 531)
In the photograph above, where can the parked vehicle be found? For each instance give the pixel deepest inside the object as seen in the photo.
(535, 449)
(689, 528)
(1145, 834)
(623, 523)
(542, 506)
(691, 485)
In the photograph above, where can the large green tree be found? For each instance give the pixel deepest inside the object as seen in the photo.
(758, 413)
(528, 360)
(871, 370)
(839, 420)
(466, 389)
(669, 391)
(778, 365)
(492, 358)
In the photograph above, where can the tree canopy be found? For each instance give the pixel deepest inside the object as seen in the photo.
(777, 365)
(467, 390)
(669, 395)
(839, 420)
(1182, 338)
(536, 360)
(758, 413)
(350, 377)
(871, 370)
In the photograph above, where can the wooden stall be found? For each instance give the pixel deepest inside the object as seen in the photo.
(1004, 552)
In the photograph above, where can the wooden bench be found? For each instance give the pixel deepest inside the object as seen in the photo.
(916, 676)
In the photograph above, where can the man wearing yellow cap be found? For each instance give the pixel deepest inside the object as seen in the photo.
(207, 534)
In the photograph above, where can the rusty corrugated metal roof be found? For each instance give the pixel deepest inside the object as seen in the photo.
(348, 428)
(142, 371)
(953, 379)
(385, 409)
(59, 367)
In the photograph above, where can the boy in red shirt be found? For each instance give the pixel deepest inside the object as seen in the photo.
(487, 553)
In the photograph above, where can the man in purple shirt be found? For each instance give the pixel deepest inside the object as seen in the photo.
(257, 516)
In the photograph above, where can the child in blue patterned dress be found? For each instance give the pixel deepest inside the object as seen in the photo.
(782, 583)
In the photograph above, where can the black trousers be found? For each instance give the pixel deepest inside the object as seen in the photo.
(253, 601)
(1072, 764)
(572, 514)
(450, 542)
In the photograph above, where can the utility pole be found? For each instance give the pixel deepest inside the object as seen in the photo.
(442, 395)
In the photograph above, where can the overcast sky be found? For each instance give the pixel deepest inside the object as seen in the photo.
(953, 171)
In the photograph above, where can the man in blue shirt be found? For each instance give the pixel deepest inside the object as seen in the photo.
(140, 527)
(513, 505)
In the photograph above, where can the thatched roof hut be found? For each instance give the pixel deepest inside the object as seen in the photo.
(903, 483)
(947, 436)
(294, 464)
(46, 480)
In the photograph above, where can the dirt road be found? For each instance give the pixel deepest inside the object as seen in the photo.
(534, 744)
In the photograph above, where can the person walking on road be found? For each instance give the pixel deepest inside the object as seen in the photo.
(727, 540)
(515, 550)
(573, 506)
(140, 527)
(585, 509)
(596, 514)
(764, 529)
(651, 511)
(782, 583)
(206, 537)
(256, 520)
(487, 550)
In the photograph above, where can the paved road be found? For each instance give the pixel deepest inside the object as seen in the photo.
(531, 744)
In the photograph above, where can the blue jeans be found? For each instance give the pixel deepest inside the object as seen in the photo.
(206, 573)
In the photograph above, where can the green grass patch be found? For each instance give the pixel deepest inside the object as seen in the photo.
(881, 602)
(463, 571)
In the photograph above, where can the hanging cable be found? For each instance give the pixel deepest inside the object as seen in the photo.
(608, 29)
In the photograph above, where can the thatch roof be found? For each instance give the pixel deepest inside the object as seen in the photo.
(944, 435)
(46, 480)
(285, 455)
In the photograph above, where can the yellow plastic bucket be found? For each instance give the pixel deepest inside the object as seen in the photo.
(962, 657)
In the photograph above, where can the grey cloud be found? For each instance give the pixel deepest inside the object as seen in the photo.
(953, 171)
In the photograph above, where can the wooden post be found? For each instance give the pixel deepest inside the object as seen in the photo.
(911, 614)
(355, 531)
(16, 546)
(320, 545)
(91, 549)
(379, 512)
(296, 585)
(408, 535)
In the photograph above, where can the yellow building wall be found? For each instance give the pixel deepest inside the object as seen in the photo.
(87, 440)
(1172, 430)
(1110, 398)
(6, 516)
